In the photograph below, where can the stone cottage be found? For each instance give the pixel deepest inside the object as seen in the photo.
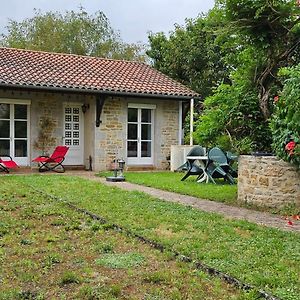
(100, 108)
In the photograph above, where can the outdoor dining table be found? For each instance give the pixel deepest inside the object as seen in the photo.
(202, 161)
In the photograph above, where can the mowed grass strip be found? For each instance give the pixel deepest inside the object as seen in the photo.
(264, 257)
(171, 181)
(220, 192)
(48, 251)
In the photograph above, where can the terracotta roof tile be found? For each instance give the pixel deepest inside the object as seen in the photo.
(56, 70)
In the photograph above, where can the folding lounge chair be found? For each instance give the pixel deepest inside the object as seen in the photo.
(53, 162)
(194, 168)
(218, 166)
(7, 163)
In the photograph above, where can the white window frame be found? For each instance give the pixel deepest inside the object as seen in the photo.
(141, 160)
(21, 161)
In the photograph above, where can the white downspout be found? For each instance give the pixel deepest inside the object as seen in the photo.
(180, 123)
(191, 121)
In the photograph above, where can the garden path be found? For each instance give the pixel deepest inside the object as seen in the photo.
(230, 212)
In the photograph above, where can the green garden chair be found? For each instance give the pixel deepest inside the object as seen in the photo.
(232, 161)
(194, 167)
(217, 166)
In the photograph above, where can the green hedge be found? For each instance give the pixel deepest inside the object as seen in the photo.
(285, 124)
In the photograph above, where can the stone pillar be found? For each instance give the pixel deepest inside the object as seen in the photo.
(268, 181)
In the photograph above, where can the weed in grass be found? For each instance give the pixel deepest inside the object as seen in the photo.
(51, 238)
(100, 292)
(108, 227)
(30, 295)
(69, 277)
(26, 242)
(121, 261)
(156, 277)
(21, 295)
(79, 261)
(155, 295)
(75, 225)
(67, 247)
(4, 229)
(52, 259)
(96, 226)
(104, 248)
(27, 263)
(57, 222)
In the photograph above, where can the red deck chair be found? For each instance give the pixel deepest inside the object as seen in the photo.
(7, 163)
(53, 162)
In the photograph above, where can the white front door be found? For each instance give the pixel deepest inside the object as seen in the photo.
(14, 131)
(140, 136)
(73, 134)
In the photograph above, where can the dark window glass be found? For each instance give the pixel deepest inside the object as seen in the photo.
(132, 115)
(20, 148)
(20, 129)
(146, 115)
(4, 111)
(132, 149)
(4, 129)
(132, 131)
(146, 149)
(146, 132)
(20, 111)
(4, 147)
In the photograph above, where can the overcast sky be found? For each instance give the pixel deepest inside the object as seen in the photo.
(133, 18)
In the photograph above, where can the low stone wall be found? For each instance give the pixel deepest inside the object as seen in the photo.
(268, 181)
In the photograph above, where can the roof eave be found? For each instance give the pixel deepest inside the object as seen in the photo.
(97, 92)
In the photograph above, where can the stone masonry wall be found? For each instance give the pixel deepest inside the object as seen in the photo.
(169, 132)
(110, 136)
(268, 181)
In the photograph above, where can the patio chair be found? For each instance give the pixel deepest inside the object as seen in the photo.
(7, 163)
(217, 166)
(53, 162)
(194, 167)
(232, 161)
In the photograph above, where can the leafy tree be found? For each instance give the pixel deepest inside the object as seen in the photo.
(286, 119)
(190, 55)
(241, 45)
(272, 27)
(72, 32)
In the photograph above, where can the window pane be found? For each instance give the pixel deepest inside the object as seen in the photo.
(20, 148)
(20, 111)
(68, 110)
(4, 147)
(146, 149)
(132, 131)
(20, 129)
(4, 129)
(131, 149)
(146, 132)
(76, 111)
(132, 115)
(4, 111)
(146, 115)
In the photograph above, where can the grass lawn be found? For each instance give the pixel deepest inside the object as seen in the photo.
(221, 192)
(170, 181)
(48, 251)
(264, 257)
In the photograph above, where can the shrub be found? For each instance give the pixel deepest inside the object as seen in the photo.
(285, 124)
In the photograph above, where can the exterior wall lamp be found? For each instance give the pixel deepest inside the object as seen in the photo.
(85, 107)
